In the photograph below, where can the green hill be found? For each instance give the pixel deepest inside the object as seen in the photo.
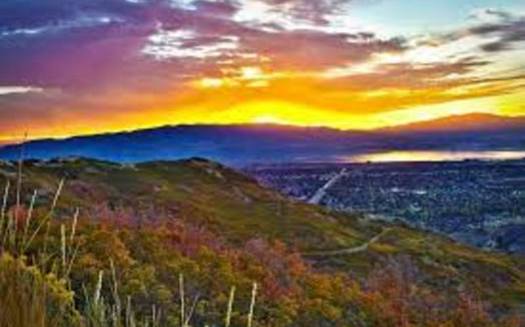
(387, 268)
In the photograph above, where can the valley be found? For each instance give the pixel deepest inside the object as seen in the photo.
(481, 203)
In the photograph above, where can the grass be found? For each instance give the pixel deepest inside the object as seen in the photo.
(227, 204)
(39, 293)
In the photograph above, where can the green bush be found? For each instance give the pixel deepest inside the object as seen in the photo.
(30, 298)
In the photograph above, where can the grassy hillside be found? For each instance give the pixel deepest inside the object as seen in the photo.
(222, 229)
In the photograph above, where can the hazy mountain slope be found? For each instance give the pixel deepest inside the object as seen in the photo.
(469, 132)
(245, 144)
(462, 123)
(236, 207)
(233, 144)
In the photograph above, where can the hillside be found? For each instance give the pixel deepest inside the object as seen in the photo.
(476, 122)
(472, 132)
(233, 144)
(241, 145)
(238, 211)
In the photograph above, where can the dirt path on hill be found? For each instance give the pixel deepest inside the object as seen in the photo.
(353, 250)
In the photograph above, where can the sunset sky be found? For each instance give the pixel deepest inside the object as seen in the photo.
(86, 66)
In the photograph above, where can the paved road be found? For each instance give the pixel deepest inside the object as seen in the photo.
(320, 193)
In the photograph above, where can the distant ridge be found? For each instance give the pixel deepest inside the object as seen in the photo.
(266, 143)
(231, 144)
(461, 123)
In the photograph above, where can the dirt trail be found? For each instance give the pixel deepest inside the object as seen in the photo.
(356, 249)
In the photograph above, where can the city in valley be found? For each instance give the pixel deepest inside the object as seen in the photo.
(481, 203)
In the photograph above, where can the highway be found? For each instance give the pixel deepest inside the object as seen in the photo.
(321, 192)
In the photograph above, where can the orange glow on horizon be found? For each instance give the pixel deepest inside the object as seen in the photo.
(434, 156)
(339, 65)
(293, 112)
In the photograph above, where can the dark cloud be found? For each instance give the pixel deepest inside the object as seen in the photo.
(90, 43)
(314, 11)
(508, 34)
(217, 8)
(412, 76)
(506, 27)
(314, 50)
(491, 13)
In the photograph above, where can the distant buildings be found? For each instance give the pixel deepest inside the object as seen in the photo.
(472, 201)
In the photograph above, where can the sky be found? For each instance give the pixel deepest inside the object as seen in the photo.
(87, 66)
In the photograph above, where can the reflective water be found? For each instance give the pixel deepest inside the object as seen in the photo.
(413, 156)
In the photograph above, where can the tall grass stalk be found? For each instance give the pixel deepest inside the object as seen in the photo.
(98, 288)
(155, 316)
(72, 260)
(7, 237)
(130, 318)
(63, 246)
(4, 209)
(72, 252)
(185, 317)
(47, 217)
(4, 199)
(43, 254)
(230, 307)
(74, 226)
(192, 310)
(182, 301)
(115, 293)
(19, 176)
(57, 195)
(29, 217)
(252, 305)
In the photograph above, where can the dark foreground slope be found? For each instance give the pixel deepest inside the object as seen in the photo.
(339, 268)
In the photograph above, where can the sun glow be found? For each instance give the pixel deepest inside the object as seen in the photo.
(250, 73)
(435, 156)
(269, 119)
(211, 82)
(275, 112)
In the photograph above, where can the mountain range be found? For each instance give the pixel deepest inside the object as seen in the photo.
(266, 143)
(476, 122)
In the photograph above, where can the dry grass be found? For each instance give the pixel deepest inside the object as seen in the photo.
(40, 294)
(30, 298)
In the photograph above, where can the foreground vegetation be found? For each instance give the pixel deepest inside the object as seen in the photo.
(196, 244)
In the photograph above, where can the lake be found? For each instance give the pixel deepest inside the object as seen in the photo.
(415, 156)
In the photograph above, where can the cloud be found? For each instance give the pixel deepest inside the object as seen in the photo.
(186, 44)
(508, 34)
(120, 58)
(223, 9)
(501, 30)
(4, 90)
(81, 21)
(490, 14)
(307, 49)
(314, 11)
(102, 42)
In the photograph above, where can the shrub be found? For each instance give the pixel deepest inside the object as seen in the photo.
(29, 297)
